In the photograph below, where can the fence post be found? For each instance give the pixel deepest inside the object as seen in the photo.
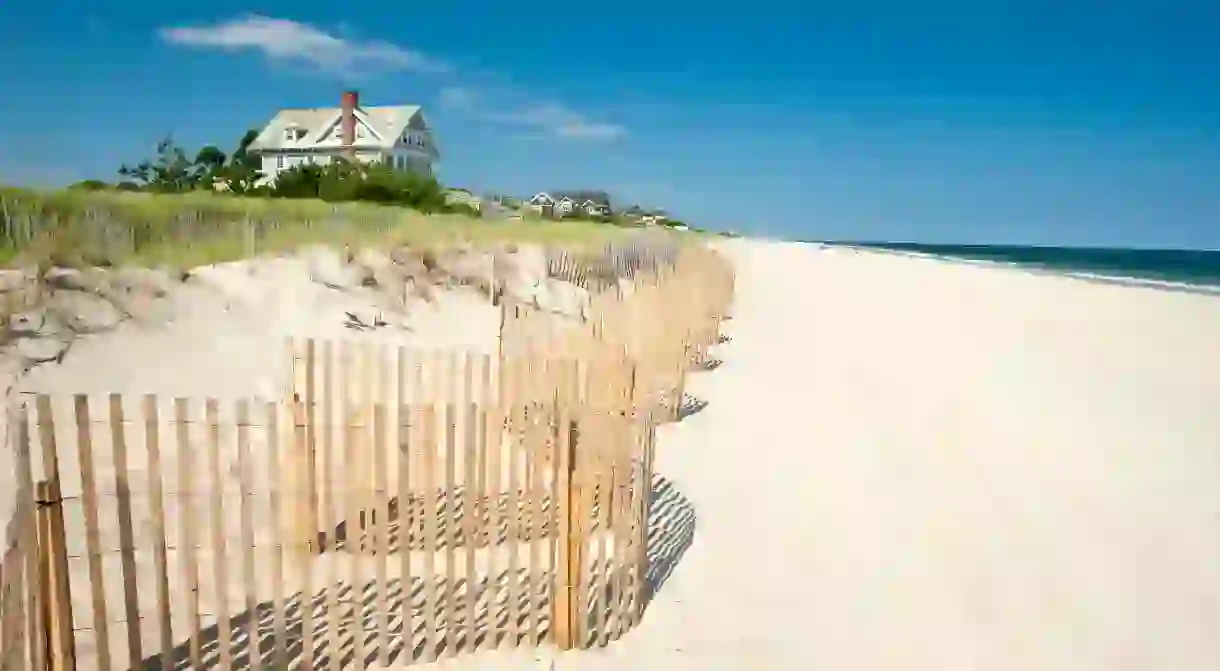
(53, 557)
(569, 560)
(311, 446)
(52, 547)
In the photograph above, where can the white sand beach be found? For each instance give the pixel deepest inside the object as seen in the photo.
(912, 464)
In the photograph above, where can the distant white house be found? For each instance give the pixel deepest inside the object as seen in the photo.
(396, 135)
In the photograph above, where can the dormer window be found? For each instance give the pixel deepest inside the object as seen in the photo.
(414, 140)
(294, 134)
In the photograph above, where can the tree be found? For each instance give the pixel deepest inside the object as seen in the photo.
(243, 171)
(170, 172)
(242, 156)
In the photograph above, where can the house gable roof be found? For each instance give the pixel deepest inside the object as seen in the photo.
(385, 124)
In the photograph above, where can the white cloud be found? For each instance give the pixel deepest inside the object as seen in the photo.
(591, 131)
(286, 40)
(458, 97)
(552, 119)
(282, 39)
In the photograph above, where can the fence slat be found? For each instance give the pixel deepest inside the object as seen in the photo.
(59, 597)
(493, 424)
(220, 557)
(621, 520)
(311, 447)
(605, 486)
(428, 446)
(404, 442)
(328, 542)
(382, 525)
(156, 493)
(471, 468)
(635, 490)
(127, 556)
(645, 510)
(561, 492)
(84, 443)
(331, 505)
(451, 537)
(275, 498)
(535, 454)
(367, 379)
(306, 528)
(186, 494)
(587, 469)
(250, 578)
(516, 419)
(353, 536)
(28, 533)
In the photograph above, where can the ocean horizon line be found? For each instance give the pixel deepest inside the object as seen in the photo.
(1183, 271)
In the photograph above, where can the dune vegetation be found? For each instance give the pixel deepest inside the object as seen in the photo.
(105, 227)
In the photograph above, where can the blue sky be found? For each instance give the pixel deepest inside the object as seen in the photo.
(1037, 122)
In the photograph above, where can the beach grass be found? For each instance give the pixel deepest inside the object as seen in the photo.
(69, 227)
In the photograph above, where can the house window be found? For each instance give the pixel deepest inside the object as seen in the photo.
(279, 162)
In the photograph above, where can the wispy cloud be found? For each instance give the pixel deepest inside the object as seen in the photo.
(285, 40)
(550, 118)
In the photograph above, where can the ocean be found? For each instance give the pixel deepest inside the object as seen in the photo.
(1180, 268)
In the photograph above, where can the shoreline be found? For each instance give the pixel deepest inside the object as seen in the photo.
(1084, 276)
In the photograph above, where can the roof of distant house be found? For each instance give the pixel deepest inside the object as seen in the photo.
(579, 197)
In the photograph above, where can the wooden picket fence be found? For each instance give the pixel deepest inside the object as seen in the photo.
(396, 506)
(665, 324)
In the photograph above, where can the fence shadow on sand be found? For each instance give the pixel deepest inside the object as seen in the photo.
(671, 530)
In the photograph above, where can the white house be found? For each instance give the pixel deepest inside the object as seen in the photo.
(396, 135)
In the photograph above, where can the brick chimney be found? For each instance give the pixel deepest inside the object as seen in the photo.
(347, 119)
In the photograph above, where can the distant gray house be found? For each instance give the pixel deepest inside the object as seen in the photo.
(639, 215)
(566, 203)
